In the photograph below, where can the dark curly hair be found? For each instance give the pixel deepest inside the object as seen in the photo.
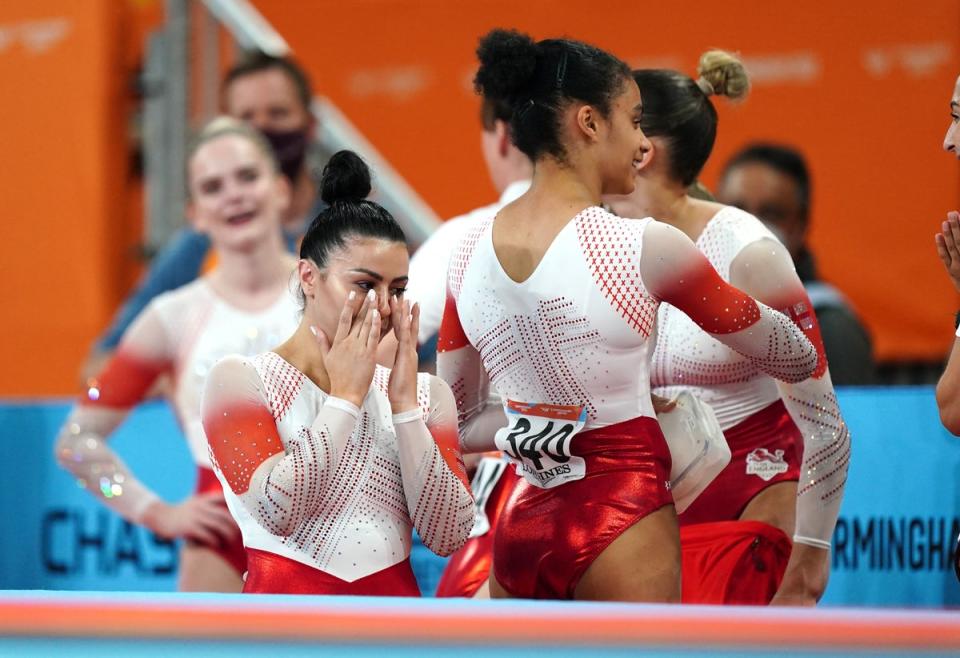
(537, 81)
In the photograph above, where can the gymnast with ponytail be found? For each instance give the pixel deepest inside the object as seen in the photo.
(761, 531)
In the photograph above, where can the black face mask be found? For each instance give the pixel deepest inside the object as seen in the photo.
(290, 149)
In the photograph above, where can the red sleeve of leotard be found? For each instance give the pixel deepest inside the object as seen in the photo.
(715, 305)
(795, 304)
(146, 351)
(442, 425)
(765, 269)
(677, 272)
(242, 434)
(280, 484)
(452, 336)
(124, 381)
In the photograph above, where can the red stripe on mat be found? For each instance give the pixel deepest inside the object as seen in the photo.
(486, 625)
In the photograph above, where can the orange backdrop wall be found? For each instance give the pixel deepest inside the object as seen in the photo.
(862, 87)
(59, 153)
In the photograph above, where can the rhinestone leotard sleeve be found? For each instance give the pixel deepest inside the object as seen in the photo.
(434, 479)
(812, 403)
(676, 272)
(280, 486)
(479, 413)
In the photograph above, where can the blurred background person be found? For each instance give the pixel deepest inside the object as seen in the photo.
(510, 172)
(272, 94)
(772, 182)
(238, 198)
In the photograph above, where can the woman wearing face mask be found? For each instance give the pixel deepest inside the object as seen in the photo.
(553, 302)
(237, 196)
(272, 94)
(329, 460)
(735, 534)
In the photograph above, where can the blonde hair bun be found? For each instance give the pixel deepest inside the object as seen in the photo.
(722, 73)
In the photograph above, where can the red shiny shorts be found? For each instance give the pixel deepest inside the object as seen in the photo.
(468, 568)
(230, 550)
(547, 538)
(764, 450)
(269, 573)
(733, 562)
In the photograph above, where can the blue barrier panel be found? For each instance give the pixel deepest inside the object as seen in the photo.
(899, 522)
(893, 546)
(65, 539)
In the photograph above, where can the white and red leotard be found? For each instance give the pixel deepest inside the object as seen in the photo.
(687, 358)
(182, 333)
(569, 348)
(327, 494)
(428, 265)
(777, 431)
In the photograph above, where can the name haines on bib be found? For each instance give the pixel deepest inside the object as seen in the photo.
(538, 438)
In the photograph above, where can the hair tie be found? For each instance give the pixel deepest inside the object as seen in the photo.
(561, 69)
(524, 109)
(705, 86)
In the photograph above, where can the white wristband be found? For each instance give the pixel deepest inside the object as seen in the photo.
(139, 505)
(407, 416)
(343, 405)
(810, 541)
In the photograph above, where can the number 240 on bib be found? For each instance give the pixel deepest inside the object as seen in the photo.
(538, 439)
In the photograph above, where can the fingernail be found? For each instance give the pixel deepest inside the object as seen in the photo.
(371, 295)
(352, 295)
(313, 330)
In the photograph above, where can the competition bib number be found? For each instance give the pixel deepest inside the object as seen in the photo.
(538, 439)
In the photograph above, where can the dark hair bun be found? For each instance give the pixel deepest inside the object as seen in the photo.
(508, 61)
(346, 177)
